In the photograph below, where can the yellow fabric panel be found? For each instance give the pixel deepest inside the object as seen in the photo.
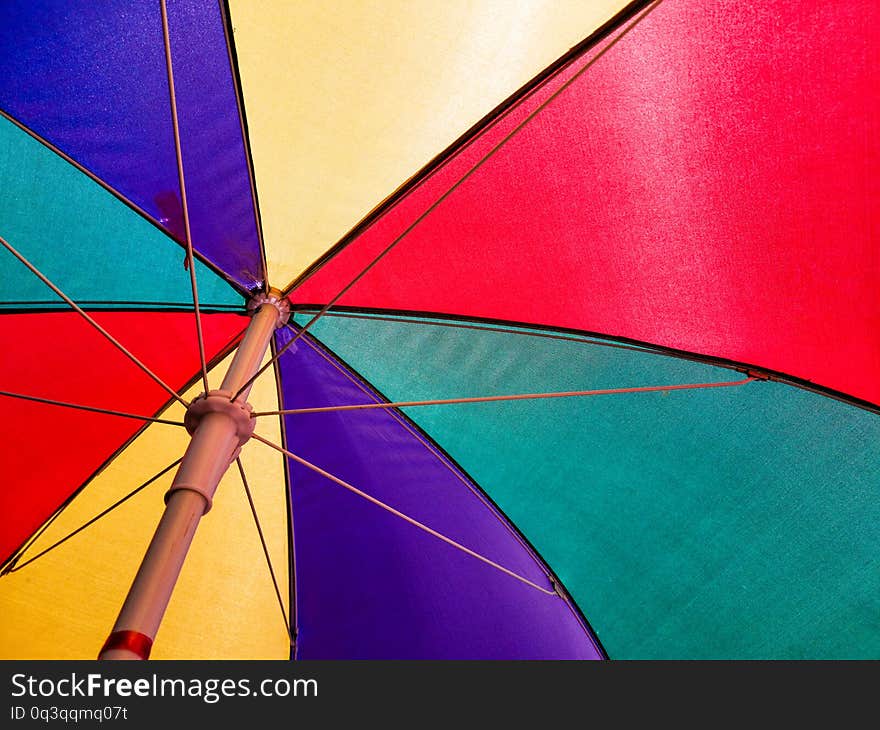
(346, 101)
(64, 604)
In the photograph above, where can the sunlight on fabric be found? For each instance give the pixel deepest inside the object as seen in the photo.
(345, 104)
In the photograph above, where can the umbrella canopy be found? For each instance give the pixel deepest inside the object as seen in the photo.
(653, 225)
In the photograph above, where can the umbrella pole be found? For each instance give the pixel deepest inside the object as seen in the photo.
(219, 428)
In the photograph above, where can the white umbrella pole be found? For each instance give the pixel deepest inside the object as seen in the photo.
(219, 428)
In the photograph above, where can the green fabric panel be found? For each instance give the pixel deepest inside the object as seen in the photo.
(719, 523)
(92, 246)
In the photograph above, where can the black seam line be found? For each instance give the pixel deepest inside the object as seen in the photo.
(129, 203)
(489, 502)
(292, 613)
(228, 31)
(469, 136)
(265, 546)
(122, 308)
(482, 328)
(644, 346)
(10, 561)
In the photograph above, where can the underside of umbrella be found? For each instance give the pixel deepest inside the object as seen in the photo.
(588, 372)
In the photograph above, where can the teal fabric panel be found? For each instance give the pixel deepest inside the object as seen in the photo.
(737, 523)
(92, 246)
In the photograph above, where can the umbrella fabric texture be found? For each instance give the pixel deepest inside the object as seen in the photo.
(656, 220)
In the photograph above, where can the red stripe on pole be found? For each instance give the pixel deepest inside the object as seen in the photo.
(132, 641)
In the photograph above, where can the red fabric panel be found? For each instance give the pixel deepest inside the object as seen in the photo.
(709, 184)
(47, 451)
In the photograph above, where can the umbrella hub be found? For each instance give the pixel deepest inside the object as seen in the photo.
(276, 299)
(220, 401)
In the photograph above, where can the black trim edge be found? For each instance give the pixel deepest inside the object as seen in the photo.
(292, 612)
(229, 32)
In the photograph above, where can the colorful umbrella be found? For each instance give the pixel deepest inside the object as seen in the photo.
(600, 379)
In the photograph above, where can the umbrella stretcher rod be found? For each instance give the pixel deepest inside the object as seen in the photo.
(219, 427)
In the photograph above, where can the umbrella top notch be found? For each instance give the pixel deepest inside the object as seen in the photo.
(269, 310)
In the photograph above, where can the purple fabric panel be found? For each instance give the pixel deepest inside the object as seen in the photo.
(222, 211)
(369, 585)
(90, 78)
